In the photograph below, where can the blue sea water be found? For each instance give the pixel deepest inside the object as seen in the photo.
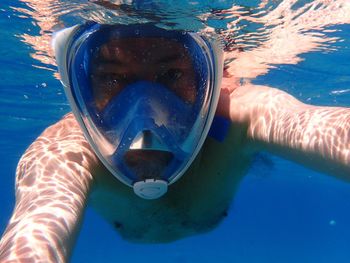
(282, 211)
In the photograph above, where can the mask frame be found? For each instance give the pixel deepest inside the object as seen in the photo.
(65, 44)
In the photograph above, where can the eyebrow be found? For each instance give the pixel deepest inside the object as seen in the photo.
(108, 60)
(117, 62)
(170, 58)
(105, 66)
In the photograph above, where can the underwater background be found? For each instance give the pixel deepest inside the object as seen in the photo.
(282, 212)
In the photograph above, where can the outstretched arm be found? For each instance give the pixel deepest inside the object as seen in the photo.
(52, 184)
(317, 137)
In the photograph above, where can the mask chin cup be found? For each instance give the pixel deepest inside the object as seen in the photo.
(150, 188)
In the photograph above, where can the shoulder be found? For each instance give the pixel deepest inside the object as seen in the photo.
(67, 126)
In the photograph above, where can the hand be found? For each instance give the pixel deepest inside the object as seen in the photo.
(246, 105)
(238, 102)
(228, 85)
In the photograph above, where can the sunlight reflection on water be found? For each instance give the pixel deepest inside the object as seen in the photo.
(269, 33)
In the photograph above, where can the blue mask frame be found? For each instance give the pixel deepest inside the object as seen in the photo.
(80, 44)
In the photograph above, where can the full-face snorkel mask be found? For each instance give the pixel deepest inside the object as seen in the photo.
(146, 130)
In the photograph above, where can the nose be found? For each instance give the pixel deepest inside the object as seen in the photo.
(145, 72)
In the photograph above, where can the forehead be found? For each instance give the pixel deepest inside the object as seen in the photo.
(150, 48)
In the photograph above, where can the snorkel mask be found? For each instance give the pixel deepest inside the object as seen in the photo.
(145, 97)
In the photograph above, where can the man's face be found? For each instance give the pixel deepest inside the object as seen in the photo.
(125, 61)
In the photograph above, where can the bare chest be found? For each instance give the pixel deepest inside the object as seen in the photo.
(172, 217)
(197, 203)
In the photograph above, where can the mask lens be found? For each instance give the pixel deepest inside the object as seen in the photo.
(145, 97)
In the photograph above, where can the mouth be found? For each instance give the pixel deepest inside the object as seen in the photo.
(147, 163)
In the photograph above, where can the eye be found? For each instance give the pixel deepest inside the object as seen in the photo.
(170, 75)
(111, 80)
(108, 77)
(114, 78)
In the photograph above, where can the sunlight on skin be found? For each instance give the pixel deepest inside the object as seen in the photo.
(52, 182)
(54, 177)
(307, 134)
(276, 119)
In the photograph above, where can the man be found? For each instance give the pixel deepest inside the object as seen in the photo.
(170, 83)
